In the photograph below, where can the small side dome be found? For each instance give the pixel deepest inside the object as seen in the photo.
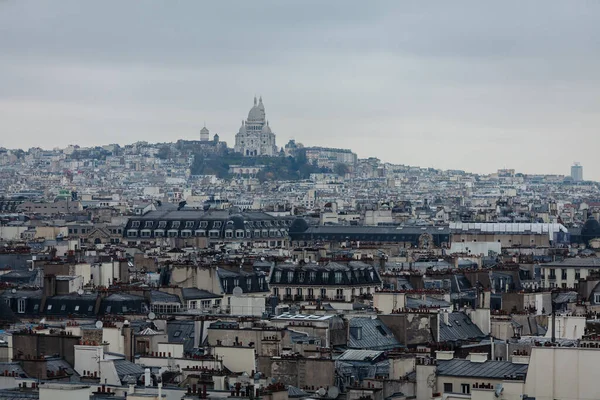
(298, 226)
(590, 230)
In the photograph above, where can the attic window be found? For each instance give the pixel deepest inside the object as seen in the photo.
(108, 309)
(76, 308)
(457, 322)
(63, 307)
(135, 224)
(381, 330)
(177, 334)
(90, 308)
(162, 224)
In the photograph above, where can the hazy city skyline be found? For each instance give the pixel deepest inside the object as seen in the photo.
(461, 85)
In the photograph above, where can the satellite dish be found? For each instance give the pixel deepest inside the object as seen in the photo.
(80, 292)
(237, 291)
(333, 392)
(13, 291)
(99, 324)
(321, 392)
(151, 315)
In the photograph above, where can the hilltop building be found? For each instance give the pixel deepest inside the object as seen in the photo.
(255, 137)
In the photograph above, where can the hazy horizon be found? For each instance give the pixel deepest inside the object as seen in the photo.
(463, 85)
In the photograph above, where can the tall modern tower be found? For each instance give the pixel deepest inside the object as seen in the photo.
(577, 172)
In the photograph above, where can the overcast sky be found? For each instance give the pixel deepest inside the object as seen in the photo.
(474, 85)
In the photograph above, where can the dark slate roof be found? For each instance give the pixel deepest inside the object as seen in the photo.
(372, 233)
(371, 334)
(459, 327)
(249, 282)
(575, 262)
(198, 294)
(181, 332)
(123, 303)
(315, 274)
(156, 296)
(71, 304)
(490, 369)
(21, 276)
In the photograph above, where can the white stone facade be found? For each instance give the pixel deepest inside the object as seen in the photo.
(255, 137)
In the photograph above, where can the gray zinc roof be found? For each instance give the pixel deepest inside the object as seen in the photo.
(459, 327)
(374, 335)
(489, 369)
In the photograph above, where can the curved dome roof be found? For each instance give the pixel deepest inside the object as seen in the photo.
(243, 128)
(256, 114)
(298, 226)
(266, 128)
(237, 221)
(590, 230)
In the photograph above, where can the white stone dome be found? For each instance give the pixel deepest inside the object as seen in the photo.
(255, 114)
(266, 128)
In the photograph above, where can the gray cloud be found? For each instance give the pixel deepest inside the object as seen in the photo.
(469, 84)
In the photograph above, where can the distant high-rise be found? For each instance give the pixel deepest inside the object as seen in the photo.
(577, 172)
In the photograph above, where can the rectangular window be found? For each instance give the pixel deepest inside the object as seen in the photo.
(338, 277)
(135, 224)
(448, 388)
(90, 308)
(108, 309)
(466, 388)
(249, 283)
(76, 308)
(301, 276)
(277, 276)
(205, 303)
(162, 224)
(175, 225)
(189, 224)
(290, 276)
(323, 293)
(21, 306)
(597, 298)
(148, 224)
(326, 276)
(193, 304)
(49, 307)
(312, 276)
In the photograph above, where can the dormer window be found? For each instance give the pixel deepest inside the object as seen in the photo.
(338, 277)
(312, 276)
(162, 224)
(135, 224)
(148, 224)
(326, 276)
(290, 276)
(175, 225)
(249, 283)
(203, 224)
(236, 282)
(301, 276)
(189, 224)
(217, 224)
(277, 276)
